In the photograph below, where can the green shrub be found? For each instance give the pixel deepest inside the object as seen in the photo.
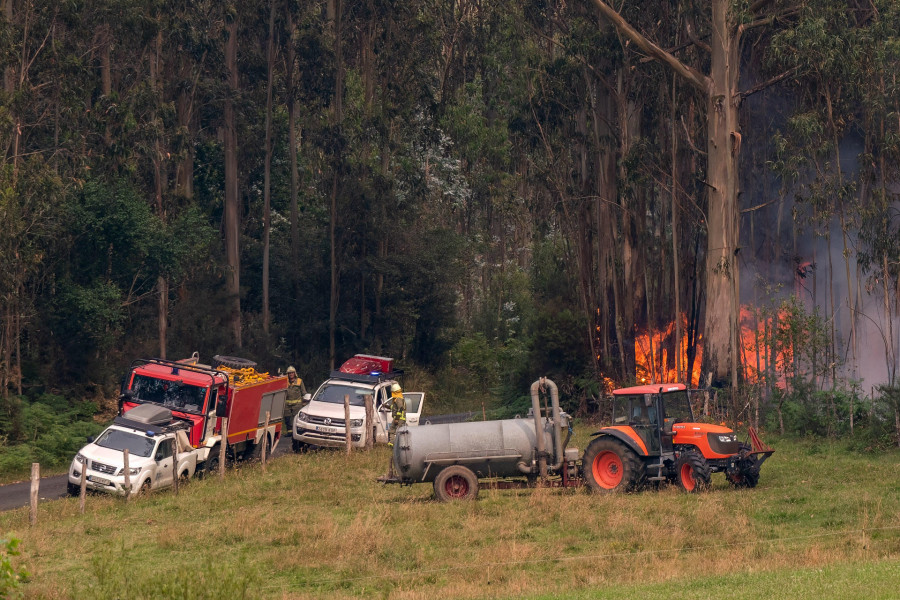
(9, 575)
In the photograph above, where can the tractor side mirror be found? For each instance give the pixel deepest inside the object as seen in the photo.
(221, 408)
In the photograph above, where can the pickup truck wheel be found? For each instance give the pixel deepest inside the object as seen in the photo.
(145, 488)
(455, 483)
(298, 446)
(73, 490)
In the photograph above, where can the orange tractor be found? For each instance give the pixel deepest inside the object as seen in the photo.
(654, 438)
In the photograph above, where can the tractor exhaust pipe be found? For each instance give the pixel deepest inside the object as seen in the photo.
(544, 383)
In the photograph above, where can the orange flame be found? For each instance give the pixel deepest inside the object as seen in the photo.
(654, 365)
(652, 360)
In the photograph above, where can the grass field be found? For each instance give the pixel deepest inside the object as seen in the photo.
(823, 523)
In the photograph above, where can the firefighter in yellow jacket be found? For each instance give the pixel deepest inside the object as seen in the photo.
(295, 401)
(398, 411)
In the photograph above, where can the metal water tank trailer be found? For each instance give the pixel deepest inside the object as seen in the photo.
(504, 448)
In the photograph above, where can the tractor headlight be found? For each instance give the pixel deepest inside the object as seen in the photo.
(356, 422)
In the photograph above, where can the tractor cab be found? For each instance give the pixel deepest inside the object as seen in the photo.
(650, 411)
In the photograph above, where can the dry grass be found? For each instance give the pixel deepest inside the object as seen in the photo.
(319, 526)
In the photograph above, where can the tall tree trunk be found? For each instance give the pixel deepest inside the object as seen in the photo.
(676, 266)
(232, 212)
(292, 145)
(162, 287)
(267, 175)
(721, 328)
(160, 183)
(337, 116)
(723, 146)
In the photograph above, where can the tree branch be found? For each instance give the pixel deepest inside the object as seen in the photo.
(761, 86)
(687, 72)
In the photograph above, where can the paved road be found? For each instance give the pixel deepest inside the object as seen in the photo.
(15, 495)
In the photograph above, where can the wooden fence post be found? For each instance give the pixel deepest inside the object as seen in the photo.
(265, 438)
(370, 422)
(347, 421)
(35, 491)
(83, 492)
(222, 447)
(175, 465)
(127, 474)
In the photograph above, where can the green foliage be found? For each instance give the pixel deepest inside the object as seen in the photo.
(10, 577)
(48, 430)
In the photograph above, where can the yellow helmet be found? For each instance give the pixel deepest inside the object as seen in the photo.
(395, 388)
(291, 369)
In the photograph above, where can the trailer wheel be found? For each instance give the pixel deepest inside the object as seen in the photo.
(234, 362)
(692, 472)
(610, 466)
(455, 483)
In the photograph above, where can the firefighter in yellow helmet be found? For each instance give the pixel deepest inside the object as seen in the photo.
(398, 411)
(295, 392)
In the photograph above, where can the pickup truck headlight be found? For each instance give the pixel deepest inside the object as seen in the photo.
(131, 471)
(356, 422)
(80, 459)
(302, 416)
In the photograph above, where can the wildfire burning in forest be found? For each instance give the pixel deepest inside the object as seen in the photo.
(760, 355)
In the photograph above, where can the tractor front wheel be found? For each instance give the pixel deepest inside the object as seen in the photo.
(744, 476)
(692, 472)
(610, 466)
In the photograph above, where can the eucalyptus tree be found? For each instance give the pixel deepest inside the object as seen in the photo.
(727, 25)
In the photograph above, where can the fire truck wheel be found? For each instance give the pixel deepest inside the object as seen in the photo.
(234, 362)
(455, 482)
(212, 463)
(692, 472)
(610, 466)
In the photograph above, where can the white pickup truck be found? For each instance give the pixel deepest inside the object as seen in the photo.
(154, 440)
(321, 421)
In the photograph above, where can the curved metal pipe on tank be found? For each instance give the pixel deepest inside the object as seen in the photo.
(557, 427)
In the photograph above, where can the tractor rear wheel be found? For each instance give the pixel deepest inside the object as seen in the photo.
(455, 482)
(610, 466)
(692, 472)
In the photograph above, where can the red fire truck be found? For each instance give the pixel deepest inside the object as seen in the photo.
(200, 396)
